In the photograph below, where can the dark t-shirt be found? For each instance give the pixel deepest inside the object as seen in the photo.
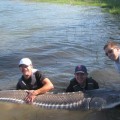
(32, 83)
(74, 85)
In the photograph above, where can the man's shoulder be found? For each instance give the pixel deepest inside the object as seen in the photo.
(37, 72)
(21, 78)
(90, 79)
(73, 81)
(39, 75)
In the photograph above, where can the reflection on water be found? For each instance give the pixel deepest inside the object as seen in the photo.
(24, 112)
(56, 38)
(108, 78)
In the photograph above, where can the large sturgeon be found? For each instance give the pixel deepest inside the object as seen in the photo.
(94, 99)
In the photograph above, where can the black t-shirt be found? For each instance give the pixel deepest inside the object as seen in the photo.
(74, 85)
(33, 83)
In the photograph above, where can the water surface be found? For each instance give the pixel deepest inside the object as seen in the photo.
(56, 38)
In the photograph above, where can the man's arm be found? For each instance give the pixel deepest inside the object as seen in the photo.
(47, 86)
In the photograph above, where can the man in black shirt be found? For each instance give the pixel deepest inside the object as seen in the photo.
(81, 82)
(32, 80)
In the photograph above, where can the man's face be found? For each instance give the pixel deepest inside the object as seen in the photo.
(26, 70)
(81, 77)
(112, 53)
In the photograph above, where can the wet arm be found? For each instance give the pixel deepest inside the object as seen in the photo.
(47, 86)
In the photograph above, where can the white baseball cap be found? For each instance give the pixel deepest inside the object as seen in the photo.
(25, 61)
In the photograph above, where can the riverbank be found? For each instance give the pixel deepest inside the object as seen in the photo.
(111, 6)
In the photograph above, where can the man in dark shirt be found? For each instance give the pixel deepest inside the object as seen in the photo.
(32, 80)
(81, 82)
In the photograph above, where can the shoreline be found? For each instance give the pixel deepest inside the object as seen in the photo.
(110, 6)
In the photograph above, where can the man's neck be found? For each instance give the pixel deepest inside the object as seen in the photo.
(117, 60)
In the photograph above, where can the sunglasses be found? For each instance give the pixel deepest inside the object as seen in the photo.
(109, 52)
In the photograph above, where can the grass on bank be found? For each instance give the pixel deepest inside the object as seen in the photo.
(73, 2)
(112, 6)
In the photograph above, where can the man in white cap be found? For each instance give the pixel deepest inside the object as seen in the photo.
(32, 80)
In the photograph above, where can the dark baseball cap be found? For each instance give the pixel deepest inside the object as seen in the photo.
(80, 69)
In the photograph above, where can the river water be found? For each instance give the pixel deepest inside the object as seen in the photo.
(56, 38)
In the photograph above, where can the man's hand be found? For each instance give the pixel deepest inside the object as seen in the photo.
(30, 97)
